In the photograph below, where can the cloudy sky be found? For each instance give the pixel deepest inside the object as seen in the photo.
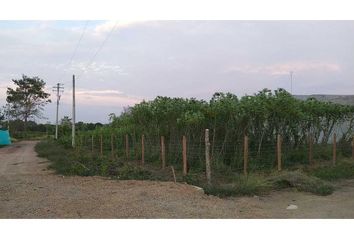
(120, 63)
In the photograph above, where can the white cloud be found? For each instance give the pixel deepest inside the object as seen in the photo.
(285, 68)
(100, 92)
(96, 67)
(106, 27)
(105, 97)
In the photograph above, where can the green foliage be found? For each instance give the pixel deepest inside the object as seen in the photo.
(129, 172)
(301, 182)
(28, 98)
(62, 160)
(67, 161)
(241, 186)
(261, 116)
(343, 170)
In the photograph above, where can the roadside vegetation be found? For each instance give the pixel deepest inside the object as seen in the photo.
(115, 150)
(343, 170)
(261, 117)
(67, 161)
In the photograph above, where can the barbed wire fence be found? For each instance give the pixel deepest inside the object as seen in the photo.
(188, 155)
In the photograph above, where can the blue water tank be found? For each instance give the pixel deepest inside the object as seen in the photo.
(5, 137)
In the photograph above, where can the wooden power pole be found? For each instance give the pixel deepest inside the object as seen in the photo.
(73, 116)
(58, 89)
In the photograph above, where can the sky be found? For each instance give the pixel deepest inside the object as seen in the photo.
(120, 63)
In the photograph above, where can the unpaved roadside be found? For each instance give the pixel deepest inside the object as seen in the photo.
(29, 190)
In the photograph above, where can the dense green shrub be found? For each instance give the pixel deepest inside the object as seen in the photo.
(261, 116)
(301, 182)
(343, 170)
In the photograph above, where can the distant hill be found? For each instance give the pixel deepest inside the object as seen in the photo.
(341, 99)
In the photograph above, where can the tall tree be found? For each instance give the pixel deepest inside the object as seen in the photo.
(27, 99)
(2, 115)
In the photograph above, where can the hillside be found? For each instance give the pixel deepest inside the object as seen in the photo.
(341, 99)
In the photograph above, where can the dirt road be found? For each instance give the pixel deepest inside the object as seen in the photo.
(29, 190)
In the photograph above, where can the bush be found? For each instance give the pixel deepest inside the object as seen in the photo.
(343, 170)
(66, 161)
(242, 185)
(128, 172)
(301, 182)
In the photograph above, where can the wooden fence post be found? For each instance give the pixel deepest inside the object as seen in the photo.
(279, 151)
(184, 155)
(92, 144)
(101, 145)
(127, 147)
(163, 152)
(353, 148)
(112, 145)
(142, 149)
(310, 149)
(334, 149)
(135, 147)
(173, 173)
(207, 157)
(245, 155)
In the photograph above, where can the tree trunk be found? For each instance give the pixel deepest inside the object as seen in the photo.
(25, 127)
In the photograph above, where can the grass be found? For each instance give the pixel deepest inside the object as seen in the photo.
(67, 161)
(64, 161)
(260, 185)
(254, 184)
(302, 182)
(241, 186)
(343, 170)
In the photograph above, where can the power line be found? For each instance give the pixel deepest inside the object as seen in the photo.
(69, 63)
(102, 44)
(73, 116)
(78, 43)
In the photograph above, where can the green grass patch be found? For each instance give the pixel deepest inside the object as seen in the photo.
(343, 170)
(260, 185)
(241, 186)
(67, 161)
(301, 182)
(129, 172)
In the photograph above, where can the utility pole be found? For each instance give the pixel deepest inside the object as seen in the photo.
(73, 116)
(8, 117)
(58, 89)
(291, 82)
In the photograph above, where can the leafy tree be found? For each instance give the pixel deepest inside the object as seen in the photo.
(2, 115)
(260, 116)
(111, 117)
(27, 99)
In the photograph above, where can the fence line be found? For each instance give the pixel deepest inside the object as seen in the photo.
(279, 152)
(205, 156)
(163, 151)
(334, 149)
(245, 155)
